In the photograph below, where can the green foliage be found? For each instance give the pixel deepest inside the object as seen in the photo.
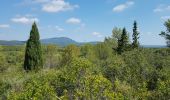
(3, 64)
(4, 88)
(116, 33)
(52, 58)
(166, 34)
(137, 68)
(123, 42)
(36, 88)
(78, 67)
(163, 89)
(135, 36)
(113, 40)
(102, 51)
(113, 68)
(124, 89)
(88, 72)
(152, 83)
(98, 87)
(91, 72)
(33, 53)
(69, 53)
(87, 51)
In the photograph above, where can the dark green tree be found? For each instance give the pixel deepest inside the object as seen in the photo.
(135, 36)
(166, 34)
(123, 42)
(33, 53)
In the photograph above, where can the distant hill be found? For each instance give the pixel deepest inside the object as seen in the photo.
(61, 41)
(154, 46)
(11, 43)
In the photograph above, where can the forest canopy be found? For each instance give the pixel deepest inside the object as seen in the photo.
(116, 69)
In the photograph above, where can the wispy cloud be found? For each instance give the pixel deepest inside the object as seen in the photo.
(162, 8)
(97, 34)
(50, 6)
(40, 1)
(30, 2)
(54, 29)
(122, 7)
(164, 18)
(73, 20)
(59, 29)
(57, 6)
(25, 19)
(149, 33)
(4, 26)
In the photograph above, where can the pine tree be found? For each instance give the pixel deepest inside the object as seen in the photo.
(123, 42)
(166, 34)
(135, 36)
(33, 53)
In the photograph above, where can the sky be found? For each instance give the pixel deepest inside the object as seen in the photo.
(83, 20)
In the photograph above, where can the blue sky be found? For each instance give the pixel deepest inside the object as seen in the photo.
(83, 20)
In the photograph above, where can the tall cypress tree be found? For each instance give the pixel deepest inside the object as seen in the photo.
(135, 36)
(33, 53)
(123, 42)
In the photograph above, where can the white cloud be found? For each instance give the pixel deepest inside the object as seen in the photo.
(52, 28)
(51, 6)
(58, 28)
(25, 19)
(164, 18)
(122, 7)
(162, 8)
(41, 1)
(97, 34)
(4, 26)
(158, 10)
(73, 21)
(31, 2)
(57, 6)
(149, 33)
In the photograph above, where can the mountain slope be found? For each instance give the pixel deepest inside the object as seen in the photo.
(61, 41)
(11, 43)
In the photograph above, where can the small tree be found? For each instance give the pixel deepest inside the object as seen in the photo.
(123, 42)
(70, 52)
(135, 36)
(33, 53)
(116, 33)
(166, 34)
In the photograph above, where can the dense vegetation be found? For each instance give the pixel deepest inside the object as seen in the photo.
(112, 70)
(166, 34)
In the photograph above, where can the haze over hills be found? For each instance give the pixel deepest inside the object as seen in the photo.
(12, 42)
(61, 41)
